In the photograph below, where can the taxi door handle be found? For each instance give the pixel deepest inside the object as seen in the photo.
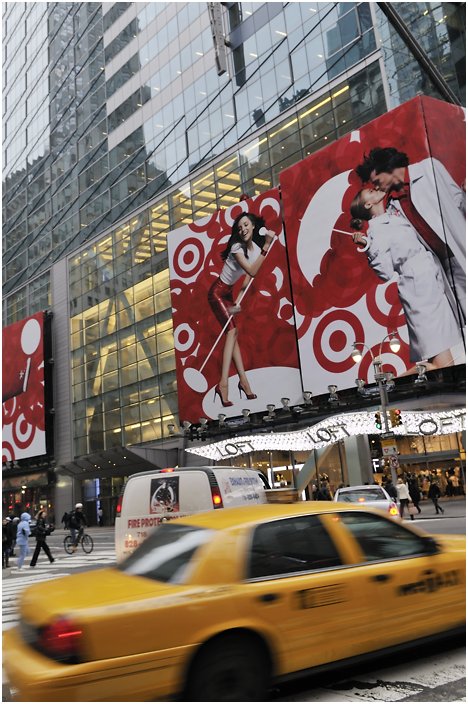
(268, 598)
(380, 578)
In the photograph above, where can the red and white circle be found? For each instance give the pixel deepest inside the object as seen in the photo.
(184, 337)
(189, 258)
(333, 340)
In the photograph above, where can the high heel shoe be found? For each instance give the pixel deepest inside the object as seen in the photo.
(217, 391)
(241, 389)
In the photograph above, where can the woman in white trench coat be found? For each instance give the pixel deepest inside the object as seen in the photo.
(393, 247)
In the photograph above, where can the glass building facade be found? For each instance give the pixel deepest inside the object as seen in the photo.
(120, 125)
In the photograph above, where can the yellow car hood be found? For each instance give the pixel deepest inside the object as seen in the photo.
(89, 590)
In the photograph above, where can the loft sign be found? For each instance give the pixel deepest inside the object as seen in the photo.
(333, 429)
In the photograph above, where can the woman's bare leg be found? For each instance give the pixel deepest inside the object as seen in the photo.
(239, 364)
(443, 359)
(229, 344)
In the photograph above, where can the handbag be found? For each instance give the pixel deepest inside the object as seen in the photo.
(412, 510)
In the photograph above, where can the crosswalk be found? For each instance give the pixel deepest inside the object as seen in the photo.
(16, 580)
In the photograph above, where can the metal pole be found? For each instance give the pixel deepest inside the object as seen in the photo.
(379, 377)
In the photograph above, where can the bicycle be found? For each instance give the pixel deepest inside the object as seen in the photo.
(85, 539)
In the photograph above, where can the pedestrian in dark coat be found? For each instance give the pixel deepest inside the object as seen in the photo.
(6, 541)
(42, 531)
(434, 495)
(390, 488)
(415, 494)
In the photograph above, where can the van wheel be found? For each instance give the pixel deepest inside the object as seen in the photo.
(232, 668)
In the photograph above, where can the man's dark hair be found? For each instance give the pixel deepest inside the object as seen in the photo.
(382, 159)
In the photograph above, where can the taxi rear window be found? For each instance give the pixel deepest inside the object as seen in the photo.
(167, 553)
(370, 494)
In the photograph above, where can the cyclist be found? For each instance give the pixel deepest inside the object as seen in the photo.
(76, 523)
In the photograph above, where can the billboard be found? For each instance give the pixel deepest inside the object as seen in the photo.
(234, 331)
(375, 226)
(23, 399)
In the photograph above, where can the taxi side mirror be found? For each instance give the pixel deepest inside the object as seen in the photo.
(432, 547)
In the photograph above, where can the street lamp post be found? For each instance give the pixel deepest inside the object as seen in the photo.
(380, 378)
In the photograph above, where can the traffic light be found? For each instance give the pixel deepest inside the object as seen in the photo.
(395, 417)
(378, 421)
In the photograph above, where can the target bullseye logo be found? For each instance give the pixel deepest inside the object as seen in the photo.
(189, 258)
(333, 340)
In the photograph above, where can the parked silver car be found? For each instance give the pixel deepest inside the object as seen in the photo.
(370, 495)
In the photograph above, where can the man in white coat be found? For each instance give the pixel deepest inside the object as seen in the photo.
(435, 203)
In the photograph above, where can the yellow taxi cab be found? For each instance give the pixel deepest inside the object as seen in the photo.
(221, 605)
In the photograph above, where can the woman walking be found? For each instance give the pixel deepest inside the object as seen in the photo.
(403, 495)
(42, 529)
(434, 495)
(22, 536)
(414, 491)
(244, 255)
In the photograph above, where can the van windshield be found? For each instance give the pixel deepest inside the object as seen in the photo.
(167, 553)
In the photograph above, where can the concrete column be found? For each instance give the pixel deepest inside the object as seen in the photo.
(358, 459)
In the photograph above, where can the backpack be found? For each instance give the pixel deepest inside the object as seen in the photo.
(72, 521)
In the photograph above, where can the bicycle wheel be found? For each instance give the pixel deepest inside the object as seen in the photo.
(68, 544)
(87, 543)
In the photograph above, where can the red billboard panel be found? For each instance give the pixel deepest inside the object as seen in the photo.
(375, 228)
(234, 332)
(23, 402)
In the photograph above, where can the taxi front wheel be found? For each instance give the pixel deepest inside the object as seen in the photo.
(231, 668)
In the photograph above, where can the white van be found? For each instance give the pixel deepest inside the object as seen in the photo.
(161, 494)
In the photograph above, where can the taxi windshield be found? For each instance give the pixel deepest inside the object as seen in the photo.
(362, 495)
(166, 554)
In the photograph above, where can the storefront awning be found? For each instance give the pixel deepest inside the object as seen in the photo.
(118, 461)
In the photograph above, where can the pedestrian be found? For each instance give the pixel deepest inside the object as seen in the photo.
(390, 488)
(442, 482)
(14, 526)
(66, 520)
(323, 493)
(43, 529)
(425, 486)
(100, 517)
(23, 532)
(415, 494)
(403, 495)
(434, 495)
(454, 481)
(6, 542)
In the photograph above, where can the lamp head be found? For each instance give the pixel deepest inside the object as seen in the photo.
(394, 343)
(356, 353)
